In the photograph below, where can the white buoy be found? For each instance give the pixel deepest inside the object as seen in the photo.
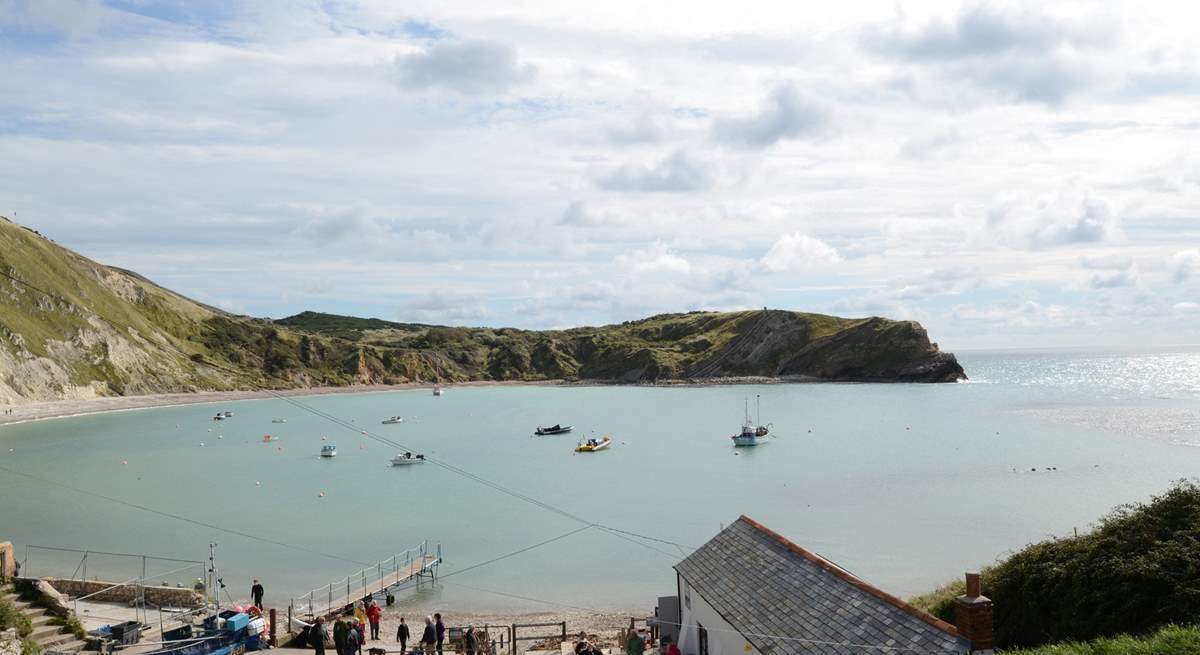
(201, 444)
(321, 495)
(258, 483)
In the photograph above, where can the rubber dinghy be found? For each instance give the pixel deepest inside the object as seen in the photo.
(593, 445)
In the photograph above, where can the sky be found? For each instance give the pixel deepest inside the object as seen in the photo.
(1009, 174)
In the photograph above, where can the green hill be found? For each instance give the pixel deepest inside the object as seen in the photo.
(72, 328)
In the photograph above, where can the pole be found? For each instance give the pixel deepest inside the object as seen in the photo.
(272, 613)
(142, 588)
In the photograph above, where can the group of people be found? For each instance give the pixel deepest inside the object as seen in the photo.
(349, 633)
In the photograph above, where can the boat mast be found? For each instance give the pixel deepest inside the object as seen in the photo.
(212, 571)
(758, 407)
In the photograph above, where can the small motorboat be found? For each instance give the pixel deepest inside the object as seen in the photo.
(437, 389)
(219, 417)
(593, 445)
(407, 458)
(227, 414)
(393, 420)
(279, 420)
(267, 437)
(329, 450)
(553, 429)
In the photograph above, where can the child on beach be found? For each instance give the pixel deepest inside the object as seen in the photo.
(402, 635)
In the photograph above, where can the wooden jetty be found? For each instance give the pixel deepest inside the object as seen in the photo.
(415, 564)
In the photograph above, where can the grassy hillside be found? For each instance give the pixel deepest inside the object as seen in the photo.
(1137, 571)
(71, 327)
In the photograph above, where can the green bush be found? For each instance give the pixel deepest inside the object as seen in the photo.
(1137, 571)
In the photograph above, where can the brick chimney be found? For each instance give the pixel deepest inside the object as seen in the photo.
(973, 616)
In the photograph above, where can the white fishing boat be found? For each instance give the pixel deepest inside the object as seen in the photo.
(406, 459)
(752, 435)
(393, 420)
(279, 420)
(329, 450)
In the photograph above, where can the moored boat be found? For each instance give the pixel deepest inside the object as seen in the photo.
(279, 420)
(752, 435)
(437, 389)
(554, 429)
(593, 445)
(393, 420)
(329, 450)
(407, 458)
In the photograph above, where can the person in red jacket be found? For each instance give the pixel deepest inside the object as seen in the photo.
(374, 612)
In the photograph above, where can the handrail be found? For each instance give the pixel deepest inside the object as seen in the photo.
(126, 583)
(384, 569)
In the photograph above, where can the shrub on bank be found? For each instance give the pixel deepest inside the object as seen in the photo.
(1137, 571)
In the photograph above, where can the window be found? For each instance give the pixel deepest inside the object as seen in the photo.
(702, 639)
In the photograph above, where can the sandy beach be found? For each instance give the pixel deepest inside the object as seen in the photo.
(81, 407)
(50, 409)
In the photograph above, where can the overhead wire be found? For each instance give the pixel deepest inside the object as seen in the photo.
(624, 534)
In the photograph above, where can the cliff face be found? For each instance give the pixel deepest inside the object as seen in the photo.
(74, 328)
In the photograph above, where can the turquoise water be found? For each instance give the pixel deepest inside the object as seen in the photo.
(905, 485)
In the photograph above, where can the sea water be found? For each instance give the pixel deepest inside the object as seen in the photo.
(906, 485)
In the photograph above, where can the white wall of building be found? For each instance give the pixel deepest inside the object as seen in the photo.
(722, 638)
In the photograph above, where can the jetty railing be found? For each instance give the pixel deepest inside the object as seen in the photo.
(412, 563)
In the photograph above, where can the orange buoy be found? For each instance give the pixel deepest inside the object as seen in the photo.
(124, 462)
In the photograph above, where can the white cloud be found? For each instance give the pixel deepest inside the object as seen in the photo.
(678, 172)
(794, 252)
(787, 115)
(1186, 307)
(1059, 219)
(656, 258)
(348, 157)
(1183, 263)
(469, 67)
(445, 307)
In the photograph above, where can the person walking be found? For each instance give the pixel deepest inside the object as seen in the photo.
(440, 630)
(353, 640)
(634, 644)
(374, 613)
(317, 636)
(402, 635)
(472, 642)
(339, 635)
(361, 630)
(256, 592)
(428, 637)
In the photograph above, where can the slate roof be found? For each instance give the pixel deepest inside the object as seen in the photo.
(763, 585)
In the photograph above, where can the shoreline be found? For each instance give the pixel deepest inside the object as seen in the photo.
(69, 408)
(75, 407)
